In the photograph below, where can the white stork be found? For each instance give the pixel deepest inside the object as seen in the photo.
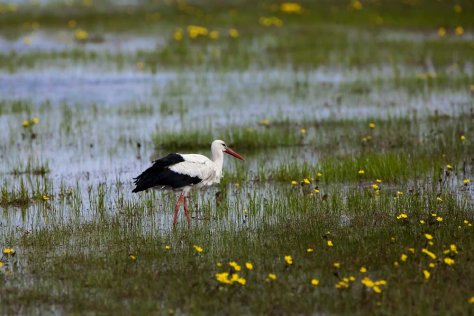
(185, 171)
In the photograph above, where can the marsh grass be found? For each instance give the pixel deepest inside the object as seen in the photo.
(24, 193)
(85, 245)
(32, 167)
(345, 37)
(247, 137)
(395, 150)
(66, 274)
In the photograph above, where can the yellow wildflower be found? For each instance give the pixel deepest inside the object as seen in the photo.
(367, 282)
(319, 174)
(195, 31)
(466, 181)
(213, 35)
(303, 131)
(314, 282)
(1, 264)
(441, 32)
(448, 261)
(449, 167)
(290, 7)
(81, 35)
(377, 289)
(25, 123)
(361, 172)
(178, 34)
(439, 199)
(293, 182)
(439, 219)
(309, 250)
(426, 274)
(412, 250)
(428, 253)
(198, 249)
(289, 260)
(399, 193)
(249, 265)
(453, 248)
(471, 300)
(45, 198)
(272, 276)
(167, 247)
(356, 5)
(462, 138)
(422, 221)
(316, 191)
(402, 216)
(306, 181)
(396, 264)
(241, 281)
(330, 244)
(363, 269)
(459, 30)
(342, 285)
(270, 21)
(132, 257)
(336, 265)
(428, 236)
(264, 122)
(378, 181)
(223, 278)
(371, 125)
(403, 257)
(235, 265)
(233, 33)
(8, 251)
(375, 186)
(27, 40)
(432, 265)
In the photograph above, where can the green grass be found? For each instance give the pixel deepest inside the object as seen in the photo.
(245, 137)
(33, 168)
(181, 279)
(85, 244)
(345, 37)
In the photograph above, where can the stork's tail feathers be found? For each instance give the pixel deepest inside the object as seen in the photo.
(142, 182)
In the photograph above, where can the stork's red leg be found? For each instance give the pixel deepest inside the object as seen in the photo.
(176, 209)
(186, 210)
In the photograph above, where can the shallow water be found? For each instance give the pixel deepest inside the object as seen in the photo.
(96, 121)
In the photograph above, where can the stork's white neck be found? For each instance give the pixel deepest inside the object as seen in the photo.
(218, 159)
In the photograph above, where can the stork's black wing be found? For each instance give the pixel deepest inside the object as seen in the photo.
(160, 175)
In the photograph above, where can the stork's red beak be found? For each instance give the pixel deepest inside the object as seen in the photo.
(233, 153)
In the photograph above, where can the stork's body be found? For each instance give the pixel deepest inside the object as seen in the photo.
(185, 171)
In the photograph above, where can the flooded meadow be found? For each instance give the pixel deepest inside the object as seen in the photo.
(355, 119)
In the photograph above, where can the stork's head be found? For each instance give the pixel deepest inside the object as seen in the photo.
(219, 145)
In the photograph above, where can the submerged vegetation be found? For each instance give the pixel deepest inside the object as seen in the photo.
(355, 118)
